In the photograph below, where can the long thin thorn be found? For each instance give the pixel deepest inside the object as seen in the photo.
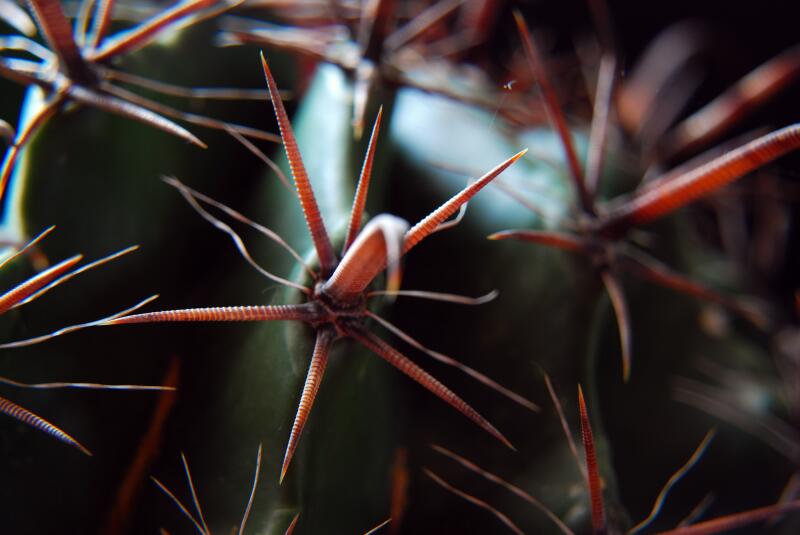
(595, 483)
(475, 501)
(538, 211)
(770, 429)
(316, 226)
(234, 236)
(441, 357)
(316, 370)
(665, 60)
(192, 118)
(378, 527)
(258, 153)
(439, 296)
(70, 275)
(302, 312)
(554, 113)
(21, 71)
(564, 426)
(421, 23)
(429, 224)
(560, 240)
(360, 199)
(252, 495)
(601, 118)
(25, 416)
(405, 365)
(130, 110)
(72, 328)
(87, 386)
(100, 23)
(659, 273)
(672, 481)
(668, 196)
(193, 492)
(452, 223)
(367, 76)
(147, 31)
(311, 43)
(27, 246)
(35, 283)
(180, 505)
(469, 465)
(727, 523)
(81, 23)
(238, 216)
(623, 317)
(202, 93)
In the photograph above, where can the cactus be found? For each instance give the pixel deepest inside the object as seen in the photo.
(565, 338)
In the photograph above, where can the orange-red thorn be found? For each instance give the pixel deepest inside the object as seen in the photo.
(595, 483)
(316, 226)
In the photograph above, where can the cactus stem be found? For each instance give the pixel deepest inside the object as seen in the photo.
(337, 302)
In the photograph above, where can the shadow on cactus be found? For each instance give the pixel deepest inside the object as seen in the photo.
(32, 289)
(597, 230)
(74, 70)
(337, 301)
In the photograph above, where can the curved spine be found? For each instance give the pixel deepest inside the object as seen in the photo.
(378, 245)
